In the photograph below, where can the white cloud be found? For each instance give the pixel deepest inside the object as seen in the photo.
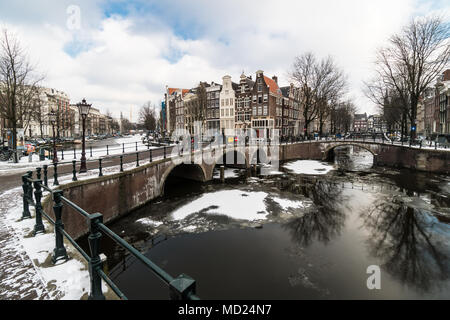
(125, 61)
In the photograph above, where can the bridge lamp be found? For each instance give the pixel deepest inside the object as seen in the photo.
(52, 120)
(83, 109)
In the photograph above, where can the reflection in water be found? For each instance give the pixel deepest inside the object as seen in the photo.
(351, 158)
(325, 221)
(409, 243)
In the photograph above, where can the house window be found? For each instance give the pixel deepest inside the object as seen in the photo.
(254, 98)
(259, 110)
(243, 89)
(260, 99)
(265, 110)
(254, 111)
(265, 97)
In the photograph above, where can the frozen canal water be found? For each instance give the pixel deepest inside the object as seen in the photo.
(309, 232)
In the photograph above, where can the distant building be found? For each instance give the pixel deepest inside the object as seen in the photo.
(360, 123)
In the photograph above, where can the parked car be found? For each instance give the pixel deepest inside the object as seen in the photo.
(443, 140)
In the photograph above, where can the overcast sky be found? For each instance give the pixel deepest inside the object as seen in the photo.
(126, 52)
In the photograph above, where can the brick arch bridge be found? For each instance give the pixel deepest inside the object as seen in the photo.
(129, 190)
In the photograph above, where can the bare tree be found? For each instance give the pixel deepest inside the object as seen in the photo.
(410, 63)
(18, 85)
(321, 83)
(147, 116)
(341, 116)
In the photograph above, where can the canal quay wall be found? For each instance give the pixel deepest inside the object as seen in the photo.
(116, 195)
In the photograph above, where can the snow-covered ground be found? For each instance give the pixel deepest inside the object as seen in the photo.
(310, 167)
(228, 173)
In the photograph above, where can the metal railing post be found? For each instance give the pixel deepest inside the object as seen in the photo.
(74, 154)
(182, 287)
(151, 155)
(55, 174)
(165, 156)
(62, 154)
(59, 252)
(100, 169)
(136, 146)
(26, 212)
(123, 147)
(95, 263)
(38, 173)
(74, 170)
(137, 159)
(90, 149)
(45, 175)
(121, 163)
(39, 226)
(107, 150)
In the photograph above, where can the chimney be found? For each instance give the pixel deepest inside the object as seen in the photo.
(275, 78)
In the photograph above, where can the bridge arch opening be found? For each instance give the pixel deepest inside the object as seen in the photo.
(181, 178)
(350, 157)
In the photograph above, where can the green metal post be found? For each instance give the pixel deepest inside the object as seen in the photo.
(100, 169)
(38, 173)
(95, 264)
(45, 175)
(182, 287)
(74, 170)
(26, 212)
(55, 174)
(39, 226)
(59, 253)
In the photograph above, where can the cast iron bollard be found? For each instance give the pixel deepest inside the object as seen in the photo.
(107, 150)
(38, 173)
(74, 170)
(45, 175)
(90, 148)
(26, 212)
(123, 147)
(182, 287)
(55, 174)
(121, 163)
(74, 154)
(39, 226)
(137, 159)
(100, 171)
(136, 146)
(151, 155)
(62, 154)
(95, 263)
(59, 253)
(165, 152)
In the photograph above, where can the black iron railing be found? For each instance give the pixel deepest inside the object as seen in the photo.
(182, 287)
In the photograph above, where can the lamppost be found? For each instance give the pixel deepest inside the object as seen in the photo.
(83, 109)
(52, 119)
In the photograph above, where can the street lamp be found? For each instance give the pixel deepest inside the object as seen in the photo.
(52, 119)
(83, 109)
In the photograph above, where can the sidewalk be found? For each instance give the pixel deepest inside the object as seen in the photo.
(19, 280)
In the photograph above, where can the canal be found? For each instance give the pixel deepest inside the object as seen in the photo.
(309, 231)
